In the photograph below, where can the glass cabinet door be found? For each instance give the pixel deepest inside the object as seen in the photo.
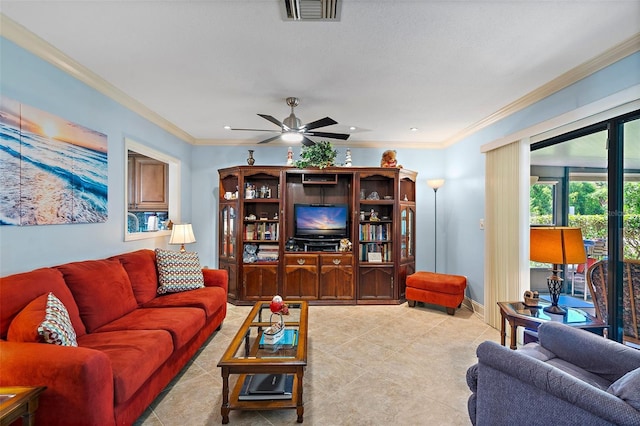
(407, 225)
(228, 234)
(231, 234)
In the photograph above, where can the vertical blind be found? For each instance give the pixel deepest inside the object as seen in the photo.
(504, 243)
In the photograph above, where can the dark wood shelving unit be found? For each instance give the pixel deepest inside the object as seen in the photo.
(321, 275)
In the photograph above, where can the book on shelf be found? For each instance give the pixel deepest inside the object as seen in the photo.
(375, 232)
(289, 339)
(263, 387)
(384, 248)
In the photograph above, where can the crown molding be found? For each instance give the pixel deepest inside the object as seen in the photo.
(39, 47)
(609, 57)
(24, 38)
(340, 143)
(619, 103)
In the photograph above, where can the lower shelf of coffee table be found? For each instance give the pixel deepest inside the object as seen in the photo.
(263, 404)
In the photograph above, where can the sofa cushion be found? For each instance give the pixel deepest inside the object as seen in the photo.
(534, 350)
(134, 356)
(24, 327)
(101, 289)
(211, 299)
(580, 373)
(141, 268)
(627, 388)
(178, 271)
(182, 323)
(17, 291)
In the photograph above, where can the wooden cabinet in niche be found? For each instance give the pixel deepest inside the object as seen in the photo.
(148, 184)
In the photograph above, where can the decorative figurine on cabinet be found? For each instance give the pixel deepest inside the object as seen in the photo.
(389, 159)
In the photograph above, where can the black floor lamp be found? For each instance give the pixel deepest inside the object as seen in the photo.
(435, 184)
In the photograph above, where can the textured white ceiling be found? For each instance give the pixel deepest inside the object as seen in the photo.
(385, 67)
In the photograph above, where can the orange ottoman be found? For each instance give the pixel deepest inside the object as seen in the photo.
(440, 289)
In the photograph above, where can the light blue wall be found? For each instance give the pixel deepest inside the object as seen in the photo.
(32, 81)
(461, 199)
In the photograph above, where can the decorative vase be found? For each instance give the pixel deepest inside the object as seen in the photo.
(251, 160)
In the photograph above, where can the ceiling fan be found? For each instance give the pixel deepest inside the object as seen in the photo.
(292, 129)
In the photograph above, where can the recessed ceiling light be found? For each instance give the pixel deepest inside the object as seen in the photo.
(414, 129)
(352, 128)
(227, 127)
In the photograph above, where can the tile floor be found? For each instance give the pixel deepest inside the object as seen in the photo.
(367, 365)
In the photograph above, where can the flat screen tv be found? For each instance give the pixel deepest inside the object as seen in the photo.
(321, 220)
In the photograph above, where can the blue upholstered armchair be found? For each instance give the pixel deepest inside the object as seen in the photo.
(571, 377)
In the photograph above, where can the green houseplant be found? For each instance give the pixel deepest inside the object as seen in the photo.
(320, 155)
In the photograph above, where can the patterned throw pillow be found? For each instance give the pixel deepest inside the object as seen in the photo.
(178, 271)
(56, 327)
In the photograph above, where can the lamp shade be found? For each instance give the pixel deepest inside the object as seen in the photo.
(435, 183)
(182, 234)
(560, 245)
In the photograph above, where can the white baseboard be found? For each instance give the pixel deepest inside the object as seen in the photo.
(475, 307)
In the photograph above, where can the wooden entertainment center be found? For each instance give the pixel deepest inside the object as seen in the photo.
(259, 248)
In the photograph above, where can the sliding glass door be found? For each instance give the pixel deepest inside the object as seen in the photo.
(595, 176)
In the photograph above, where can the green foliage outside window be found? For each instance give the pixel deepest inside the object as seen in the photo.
(589, 200)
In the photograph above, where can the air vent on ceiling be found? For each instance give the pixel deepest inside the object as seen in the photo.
(311, 10)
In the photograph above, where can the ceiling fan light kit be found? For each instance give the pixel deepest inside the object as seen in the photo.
(292, 137)
(292, 129)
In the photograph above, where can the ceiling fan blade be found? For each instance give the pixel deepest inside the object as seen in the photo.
(307, 142)
(320, 123)
(270, 139)
(258, 130)
(274, 121)
(343, 136)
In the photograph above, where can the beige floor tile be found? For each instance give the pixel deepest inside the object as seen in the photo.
(367, 365)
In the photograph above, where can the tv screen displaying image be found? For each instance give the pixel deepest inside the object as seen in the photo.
(321, 220)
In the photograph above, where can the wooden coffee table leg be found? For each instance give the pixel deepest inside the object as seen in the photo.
(224, 409)
(300, 404)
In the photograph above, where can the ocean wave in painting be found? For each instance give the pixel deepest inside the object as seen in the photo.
(48, 181)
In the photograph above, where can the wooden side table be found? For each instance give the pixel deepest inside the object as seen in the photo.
(517, 314)
(19, 402)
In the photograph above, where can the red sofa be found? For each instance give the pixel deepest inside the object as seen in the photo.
(131, 341)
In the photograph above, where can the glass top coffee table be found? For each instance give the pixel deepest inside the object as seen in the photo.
(517, 314)
(251, 357)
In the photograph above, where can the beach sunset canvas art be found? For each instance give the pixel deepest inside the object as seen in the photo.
(53, 171)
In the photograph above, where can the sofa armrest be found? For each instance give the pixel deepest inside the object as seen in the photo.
(79, 380)
(216, 278)
(548, 380)
(597, 355)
